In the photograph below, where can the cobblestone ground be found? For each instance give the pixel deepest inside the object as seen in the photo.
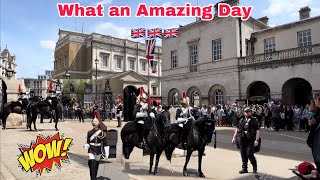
(280, 152)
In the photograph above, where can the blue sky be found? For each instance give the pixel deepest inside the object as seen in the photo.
(30, 28)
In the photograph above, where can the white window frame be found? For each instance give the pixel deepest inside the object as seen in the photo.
(218, 97)
(143, 68)
(130, 61)
(105, 60)
(193, 52)
(304, 38)
(174, 59)
(217, 49)
(269, 45)
(117, 58)
(155, 63)
(175, 99)
(154, 91)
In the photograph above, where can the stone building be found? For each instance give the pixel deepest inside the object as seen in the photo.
(226, 59)
(123, 62)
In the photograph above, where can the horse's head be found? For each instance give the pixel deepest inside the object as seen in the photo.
(209, 129)
(164, 118)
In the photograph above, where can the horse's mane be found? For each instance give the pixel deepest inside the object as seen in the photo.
(201, 122)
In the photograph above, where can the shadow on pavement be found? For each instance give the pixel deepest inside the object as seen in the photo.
(264, 151)
(103, 178)
(262, 177)
(161, 171)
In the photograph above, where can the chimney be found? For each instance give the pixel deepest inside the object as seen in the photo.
(264, 20)
(304, 12)
(232, 2)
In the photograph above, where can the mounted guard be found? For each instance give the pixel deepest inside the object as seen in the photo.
(183, 116)
(143, 114)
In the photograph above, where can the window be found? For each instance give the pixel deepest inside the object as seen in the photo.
(218, 97)
(194, 54)
(154, 66)
(131, 64)
(304, 38)
(174, 58)
(216, 49)
(119, 62)
(269, 45)
(154, 90)
(65, 61)
(195, 98)
(175, 99)
(143, 66)
(105, 59)
(247, 47)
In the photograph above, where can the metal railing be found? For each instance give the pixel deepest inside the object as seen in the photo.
(281, 55)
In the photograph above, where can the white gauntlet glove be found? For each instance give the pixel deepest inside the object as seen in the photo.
(86, 146)
(152, 115)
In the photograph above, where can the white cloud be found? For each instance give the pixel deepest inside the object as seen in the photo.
(105, 2)
(112, 30)
(289, 7)
(168, 3)
(48, 44)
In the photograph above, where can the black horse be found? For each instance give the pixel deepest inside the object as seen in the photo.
(18, 107)
(199, 135)
(46, 107)
(155, 139)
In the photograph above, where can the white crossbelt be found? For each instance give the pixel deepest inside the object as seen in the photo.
(95, 135)
(95, 144)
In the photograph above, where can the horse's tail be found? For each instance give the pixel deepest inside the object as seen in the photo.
(215, 139)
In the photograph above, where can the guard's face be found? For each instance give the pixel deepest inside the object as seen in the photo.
(248, 113)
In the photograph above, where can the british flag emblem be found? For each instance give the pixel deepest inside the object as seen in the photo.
(138, 33)
(171, 33)
(155, 33)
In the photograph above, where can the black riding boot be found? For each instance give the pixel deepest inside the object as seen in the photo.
(244, 158)
(91, 164)
(96, 168)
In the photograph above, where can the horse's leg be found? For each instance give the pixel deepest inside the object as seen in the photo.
(56, 119)
(34, 122)
(4, 119)
(151, 162)
(41, 117)
(157, 162)
(200, 154)
(189, 152)
(50, 117)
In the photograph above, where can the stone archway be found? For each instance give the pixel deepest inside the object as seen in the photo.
(129, 101)
(174, 97)
(194, 95)
(217, 94)
(296, 91)
(258, 91)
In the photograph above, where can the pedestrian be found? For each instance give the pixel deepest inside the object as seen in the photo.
(259, 114)
(80, 112)
(248, 136)
(275, 111)
(296, 117)
(314, 127)
(204, 111)
(119, 114)
(289, 116)
(95, 139)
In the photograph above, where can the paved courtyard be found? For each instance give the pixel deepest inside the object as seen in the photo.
(281, 151)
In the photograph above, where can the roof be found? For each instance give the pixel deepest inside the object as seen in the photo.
(289, 25)
(119, 74)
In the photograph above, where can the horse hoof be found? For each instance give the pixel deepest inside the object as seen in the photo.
(57, 129)
(202, 175)
(185, 173)
(154, 173)
(150, 172)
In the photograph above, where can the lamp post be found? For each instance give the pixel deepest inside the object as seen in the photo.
(96, 61)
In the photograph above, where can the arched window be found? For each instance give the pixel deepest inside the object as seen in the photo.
(175, 99)
(218, 97)
(195, 98)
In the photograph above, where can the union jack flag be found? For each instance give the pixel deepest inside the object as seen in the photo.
(155, 33)
(150, 45)
(138, 33)
(171, 33)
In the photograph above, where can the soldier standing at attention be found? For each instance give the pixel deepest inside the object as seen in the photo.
(249, 137)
